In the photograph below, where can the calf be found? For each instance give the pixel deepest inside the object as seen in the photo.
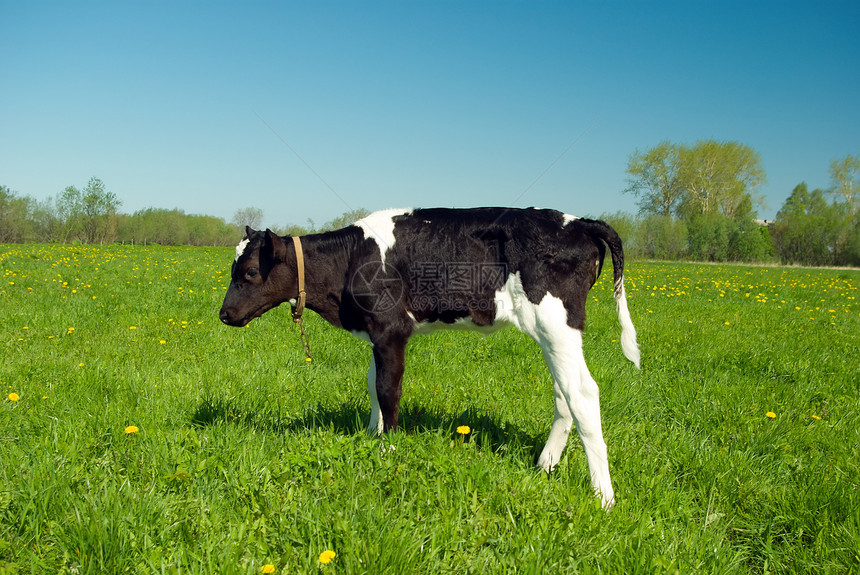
(400, 272)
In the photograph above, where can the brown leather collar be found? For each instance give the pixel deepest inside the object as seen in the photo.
(300, 272)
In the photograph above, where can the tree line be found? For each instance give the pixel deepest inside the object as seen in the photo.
(696, 202)
(91, 216)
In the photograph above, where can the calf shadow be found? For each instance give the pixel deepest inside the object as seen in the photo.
(351, 418)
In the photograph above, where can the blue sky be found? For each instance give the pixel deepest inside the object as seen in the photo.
(309, 109)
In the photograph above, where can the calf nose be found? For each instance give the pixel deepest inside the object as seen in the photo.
(225, 317)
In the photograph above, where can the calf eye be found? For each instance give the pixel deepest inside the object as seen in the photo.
(252, 273)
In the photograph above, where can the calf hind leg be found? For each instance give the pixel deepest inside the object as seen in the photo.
(574, 386)
(558, 434)
(573, 380)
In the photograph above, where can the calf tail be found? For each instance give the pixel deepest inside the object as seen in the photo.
(602, 231)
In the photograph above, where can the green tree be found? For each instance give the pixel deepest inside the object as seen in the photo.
(88, 215)
(712, 186)
(852, 245)
(749, 241)
(653, 178)
(717, 178)
(68, 210)
(175, 227)
(15, 224)
(100, 210)
(248, 217)
(345, 219)
(843, 172)
(293, 230)
(662, 237)
(806, 229)
(47, 226)
(710, 235)
(155, 226)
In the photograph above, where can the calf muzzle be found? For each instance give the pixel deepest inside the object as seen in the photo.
(230, 319)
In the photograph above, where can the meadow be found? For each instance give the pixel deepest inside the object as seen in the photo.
(140, 435)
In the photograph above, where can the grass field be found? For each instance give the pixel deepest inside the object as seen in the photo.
(734, 450)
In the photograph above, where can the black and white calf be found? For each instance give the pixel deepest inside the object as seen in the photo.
(397, 273)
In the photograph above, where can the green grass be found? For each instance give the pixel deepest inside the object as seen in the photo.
(248, 455)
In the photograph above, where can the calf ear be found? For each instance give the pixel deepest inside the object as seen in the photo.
(279, 248)
(248, 231)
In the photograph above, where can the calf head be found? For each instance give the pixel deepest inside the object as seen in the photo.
(260, 278)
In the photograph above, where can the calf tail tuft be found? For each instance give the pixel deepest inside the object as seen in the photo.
(602, 231)
(628, 333)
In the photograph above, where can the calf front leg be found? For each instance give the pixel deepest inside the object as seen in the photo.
(375, 425)
(389, 362)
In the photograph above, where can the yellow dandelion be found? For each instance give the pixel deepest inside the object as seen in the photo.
(132, 327)
(815, 417)
(267, 568)
(327, 556)
(13, 396)
(463, 430)
(770, 414)
(131, 429)
(162, 342)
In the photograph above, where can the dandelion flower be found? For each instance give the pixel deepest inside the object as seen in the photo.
(815, 417)
(131, 429)
(770, 414)
(327, 556)
(464, 430)
(267, 568)
(13, 396)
